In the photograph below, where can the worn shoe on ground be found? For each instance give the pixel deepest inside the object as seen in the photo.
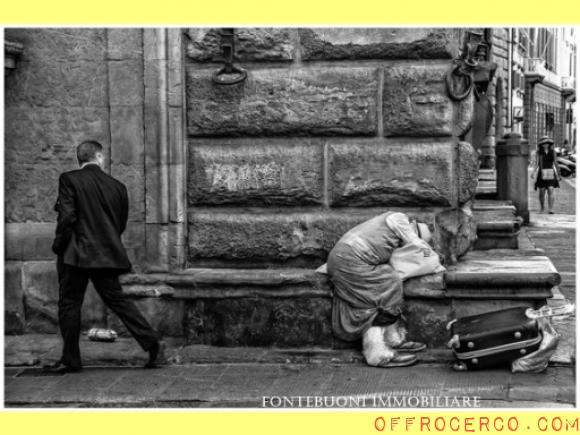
(400, 360)
(410, 346)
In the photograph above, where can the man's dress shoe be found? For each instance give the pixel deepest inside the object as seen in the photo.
(156, 356)
(60, 369)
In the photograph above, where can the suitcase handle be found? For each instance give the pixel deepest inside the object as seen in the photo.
(454, 342)
(546, 311)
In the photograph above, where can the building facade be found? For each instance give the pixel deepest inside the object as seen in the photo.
(239, 186)
(533, 90)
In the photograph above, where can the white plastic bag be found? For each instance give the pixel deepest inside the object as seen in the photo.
(415, 259)
(322, 269)
(537, 361)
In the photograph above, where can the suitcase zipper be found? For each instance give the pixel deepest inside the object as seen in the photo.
(498, 349)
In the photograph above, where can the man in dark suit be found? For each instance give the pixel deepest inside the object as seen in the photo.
(92, 211)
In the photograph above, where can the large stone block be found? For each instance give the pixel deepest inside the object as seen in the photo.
(41, 300)
(66, 44)
(308, 101)
(239, 237)
(14, 319)
(49, 83)
(467, 172)
(43, 135)
(124, 44)
(166, 316)
(260, 322)
(415, 102)
(378, 172)
(252, 44)
(255, 172)
(29, 241)
(383, 43)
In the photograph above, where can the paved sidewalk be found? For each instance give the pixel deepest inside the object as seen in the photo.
(246, 385)
(556, 235)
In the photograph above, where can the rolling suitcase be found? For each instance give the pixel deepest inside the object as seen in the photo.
(494, 339)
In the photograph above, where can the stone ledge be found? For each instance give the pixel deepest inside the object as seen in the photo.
(205, 283)
(507, 272)
(494, 253)
(477, 276)
(511, 227)
(486, 204)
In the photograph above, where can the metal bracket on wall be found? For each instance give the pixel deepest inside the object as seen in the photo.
(229, 74)
(459, 78)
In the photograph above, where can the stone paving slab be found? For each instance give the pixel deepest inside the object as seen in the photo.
(34, 350)
(208, 385)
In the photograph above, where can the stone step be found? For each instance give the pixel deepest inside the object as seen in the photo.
(486, 186)
(487, 175)
(292, 307)
(498, 226)
(492, 203)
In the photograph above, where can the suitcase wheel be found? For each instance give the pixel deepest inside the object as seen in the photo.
(459, 366)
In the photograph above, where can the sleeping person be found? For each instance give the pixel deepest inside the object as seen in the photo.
(368, 292)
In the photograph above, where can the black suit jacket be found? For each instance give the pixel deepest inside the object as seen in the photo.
(92, 211)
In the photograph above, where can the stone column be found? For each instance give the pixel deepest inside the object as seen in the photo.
(126, 90)
(164, 149)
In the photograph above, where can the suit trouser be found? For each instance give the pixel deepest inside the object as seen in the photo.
(73, 283)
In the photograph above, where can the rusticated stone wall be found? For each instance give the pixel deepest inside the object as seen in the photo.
(71, 85)
(331, 127)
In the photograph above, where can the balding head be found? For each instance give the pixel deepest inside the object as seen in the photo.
(90, 151)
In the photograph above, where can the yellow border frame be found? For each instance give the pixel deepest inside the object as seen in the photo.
(308, 12)
(264, 12)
